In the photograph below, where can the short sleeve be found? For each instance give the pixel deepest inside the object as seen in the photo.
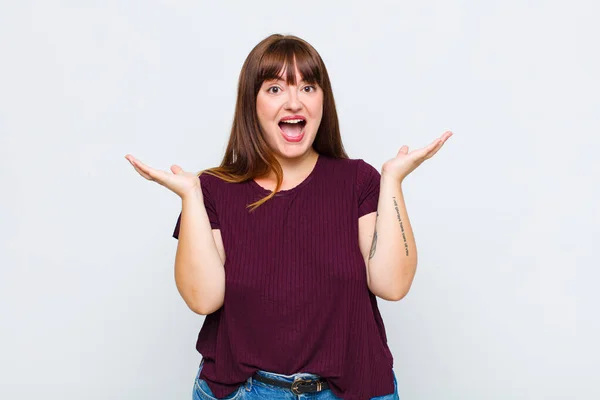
(367, 186)
(209, 204)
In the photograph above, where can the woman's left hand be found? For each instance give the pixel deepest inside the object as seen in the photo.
(404, 162)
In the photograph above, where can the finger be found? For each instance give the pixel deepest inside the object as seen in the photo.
(142, 173)
(148, 171)
(139, 171)
(176, 169)
(403, 150)
(445, 136)
(434, 144)
(432, 152)
(422, 152)
(135, 161)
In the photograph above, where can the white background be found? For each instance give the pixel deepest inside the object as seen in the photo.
(505, 301)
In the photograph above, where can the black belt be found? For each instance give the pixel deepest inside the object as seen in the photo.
(299, 386)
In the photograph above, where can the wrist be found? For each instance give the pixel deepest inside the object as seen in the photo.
(389, 179)
(193, 194)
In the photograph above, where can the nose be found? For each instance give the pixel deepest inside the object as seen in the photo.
(293, 102)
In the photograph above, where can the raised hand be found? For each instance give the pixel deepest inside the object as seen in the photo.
(179, 182)
(404, 162)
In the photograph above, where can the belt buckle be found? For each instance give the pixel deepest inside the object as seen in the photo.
(295, 385)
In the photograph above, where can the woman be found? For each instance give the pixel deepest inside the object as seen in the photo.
(286, 245)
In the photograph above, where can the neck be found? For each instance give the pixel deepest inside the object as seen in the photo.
(294, 169)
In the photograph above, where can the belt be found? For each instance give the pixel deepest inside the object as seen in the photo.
(299, 386)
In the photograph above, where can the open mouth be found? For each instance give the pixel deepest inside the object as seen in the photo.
(292, 128)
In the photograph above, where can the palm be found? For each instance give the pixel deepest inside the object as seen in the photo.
(405, 162)
(179, 181)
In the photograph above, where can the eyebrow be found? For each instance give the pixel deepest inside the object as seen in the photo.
(283, 80)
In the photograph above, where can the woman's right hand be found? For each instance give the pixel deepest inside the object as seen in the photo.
(179, 182)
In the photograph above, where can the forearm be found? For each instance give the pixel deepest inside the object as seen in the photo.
(199, 271)
(393, 257)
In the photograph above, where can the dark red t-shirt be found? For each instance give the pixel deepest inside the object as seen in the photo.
(296, 294)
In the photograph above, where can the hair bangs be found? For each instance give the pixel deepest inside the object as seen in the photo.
(283, 57)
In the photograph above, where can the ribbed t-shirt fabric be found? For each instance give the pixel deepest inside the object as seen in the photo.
(296, 294)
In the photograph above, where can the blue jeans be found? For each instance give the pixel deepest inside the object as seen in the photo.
(254, 390)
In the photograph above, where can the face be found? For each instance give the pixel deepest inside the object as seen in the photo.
(289, 115)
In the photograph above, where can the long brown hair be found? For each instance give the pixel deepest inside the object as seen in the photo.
(248, 155)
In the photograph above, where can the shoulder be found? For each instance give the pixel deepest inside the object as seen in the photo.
(349, 165)
(364, 168)
(363, 171)
(354, 169)
(206, 177)
(210, 180)
(213, 187)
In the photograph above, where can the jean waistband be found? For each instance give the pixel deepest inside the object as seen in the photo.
(288, 378)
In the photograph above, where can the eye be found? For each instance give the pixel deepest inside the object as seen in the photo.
(273, 89)
(310, 88)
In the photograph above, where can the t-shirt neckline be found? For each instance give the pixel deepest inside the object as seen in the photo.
(295, 188)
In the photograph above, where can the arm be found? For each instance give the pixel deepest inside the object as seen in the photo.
(392, 260)
(199, 261)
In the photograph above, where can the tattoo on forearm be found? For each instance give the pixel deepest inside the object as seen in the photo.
(401, 225)
(374, 244)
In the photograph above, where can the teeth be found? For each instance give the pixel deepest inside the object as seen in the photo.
(292, 121)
